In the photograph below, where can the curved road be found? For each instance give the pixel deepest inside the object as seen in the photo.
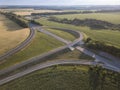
(20, 46)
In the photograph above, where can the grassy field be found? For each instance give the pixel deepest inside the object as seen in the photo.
(59, 78)
(106, 36)
(110, 17)
(11, 34)
(41, 44)
(72, 55)
(23, 13)
(65, 35)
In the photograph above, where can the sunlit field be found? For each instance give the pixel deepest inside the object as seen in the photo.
(11, 34)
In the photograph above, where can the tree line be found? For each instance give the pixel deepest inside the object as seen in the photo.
(62, 13)
(92, 23)
(19, 19)
(76, 12)
(107, 11)
(97, 45)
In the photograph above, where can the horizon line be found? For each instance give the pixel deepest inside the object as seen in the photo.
(64, 5)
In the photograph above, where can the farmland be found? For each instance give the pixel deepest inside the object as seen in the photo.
(23, 12)
(28, 12)
(11, 34)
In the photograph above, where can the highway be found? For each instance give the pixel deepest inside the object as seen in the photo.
(106, 63)
(20, 46)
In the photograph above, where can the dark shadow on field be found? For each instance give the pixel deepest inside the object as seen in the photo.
(10, 25)
(94, 81)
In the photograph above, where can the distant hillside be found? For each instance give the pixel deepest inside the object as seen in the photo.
(73, 7)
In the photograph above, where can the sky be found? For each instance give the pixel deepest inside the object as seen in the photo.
(59, 2)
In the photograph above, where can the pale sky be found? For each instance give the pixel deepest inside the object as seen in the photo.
(59, 2)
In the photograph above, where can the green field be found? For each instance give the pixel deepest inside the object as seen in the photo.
(65, 35)
(110, 17)
(41, 44)
(106, 36)
(61, 78)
